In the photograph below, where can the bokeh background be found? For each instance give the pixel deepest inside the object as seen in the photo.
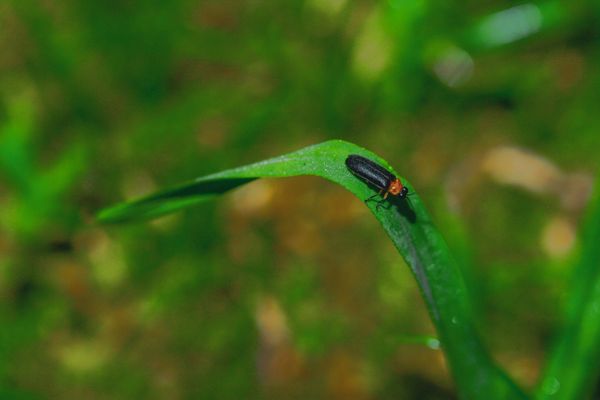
(284, 289)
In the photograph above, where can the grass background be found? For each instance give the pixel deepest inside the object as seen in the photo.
(287, 288)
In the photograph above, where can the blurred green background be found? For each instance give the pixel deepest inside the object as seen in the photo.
(283, 289)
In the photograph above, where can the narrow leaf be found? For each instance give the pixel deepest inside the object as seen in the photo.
(573, 368)
(408, 226)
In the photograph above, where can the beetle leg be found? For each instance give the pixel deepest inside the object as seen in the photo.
(383, 204)
(372, 198)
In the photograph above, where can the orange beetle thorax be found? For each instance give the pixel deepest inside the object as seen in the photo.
(395, 187)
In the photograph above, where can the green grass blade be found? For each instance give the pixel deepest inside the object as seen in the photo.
(573, 366)
(407, 224)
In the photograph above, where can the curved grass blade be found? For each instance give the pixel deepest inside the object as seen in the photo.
(573, 367)
(409, 227)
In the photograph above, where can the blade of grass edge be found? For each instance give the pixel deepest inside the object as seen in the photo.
(573, 367)
(409, 227)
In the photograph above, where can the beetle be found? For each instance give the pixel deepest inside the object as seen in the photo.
(377, 177)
